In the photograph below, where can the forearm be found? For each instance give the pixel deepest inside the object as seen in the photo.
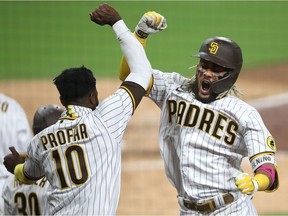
(265, 176)
(265, 179)
(124, 67)
(134, 54)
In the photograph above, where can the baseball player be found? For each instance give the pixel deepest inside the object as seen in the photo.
(81, 154)
(14, 129)
(31, 199)
(206, 131)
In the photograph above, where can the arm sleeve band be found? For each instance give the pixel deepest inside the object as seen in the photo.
(135, 55)
(124, 67)
(143, 41)
(275, 184)
(269, 171)
(135, 91)
(19, 174)
(261, 159)
(266, 158)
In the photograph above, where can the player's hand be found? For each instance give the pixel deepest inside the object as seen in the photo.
(13, 159)
(150, 23)
(105, 14)
(246, 184)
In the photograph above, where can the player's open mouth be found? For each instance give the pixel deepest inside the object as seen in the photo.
(205, 87)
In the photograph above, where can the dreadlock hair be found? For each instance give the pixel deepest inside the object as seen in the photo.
(74, 84)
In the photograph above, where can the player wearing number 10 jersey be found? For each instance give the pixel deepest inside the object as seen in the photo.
(81, 154)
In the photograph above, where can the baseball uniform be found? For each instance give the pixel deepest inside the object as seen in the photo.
(31, 199)
(23, 199)
(203, 144)
(81, 154)
(205, 132)
(14, 130)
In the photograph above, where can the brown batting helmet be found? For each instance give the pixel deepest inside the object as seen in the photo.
(46, 116)
(226, 53)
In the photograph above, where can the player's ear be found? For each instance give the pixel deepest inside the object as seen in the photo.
(93, 97)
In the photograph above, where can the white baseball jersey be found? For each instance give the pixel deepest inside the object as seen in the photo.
(81, 154)
(23, 199)
(14, 131)
(203, 144)
(81, 157)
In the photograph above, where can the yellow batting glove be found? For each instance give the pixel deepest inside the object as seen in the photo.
(150, 23)
(246, 184)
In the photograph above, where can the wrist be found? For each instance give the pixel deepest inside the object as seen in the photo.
(256, 185)
(115, 21)
(119, 28)
(262, 181)
(141, 40)
(20, 176)
(141, 34)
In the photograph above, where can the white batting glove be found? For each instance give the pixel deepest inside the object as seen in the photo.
(150, 23)
(246, 184)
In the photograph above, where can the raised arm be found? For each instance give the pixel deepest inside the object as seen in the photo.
(132, 50)
(150, 23)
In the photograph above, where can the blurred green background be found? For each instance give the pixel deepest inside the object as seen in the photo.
(41, 38)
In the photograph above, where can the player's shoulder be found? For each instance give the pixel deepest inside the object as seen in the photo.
(236, 103)
(9, 102)
(169, 75)
(115, 102)
(7, 98)
(3, 96)
(167, 80)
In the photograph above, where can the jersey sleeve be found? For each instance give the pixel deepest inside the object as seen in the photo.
(257, 137)
(24, 133)
(32, 167)
(260, 144)
(7, 195)
(163, 84)
(117, 109)
(14, 131)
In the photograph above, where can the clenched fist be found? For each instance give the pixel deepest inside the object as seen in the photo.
(150, 23)
(246, 184)
(105, 14)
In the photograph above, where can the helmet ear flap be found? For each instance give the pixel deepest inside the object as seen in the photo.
(224, 83)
